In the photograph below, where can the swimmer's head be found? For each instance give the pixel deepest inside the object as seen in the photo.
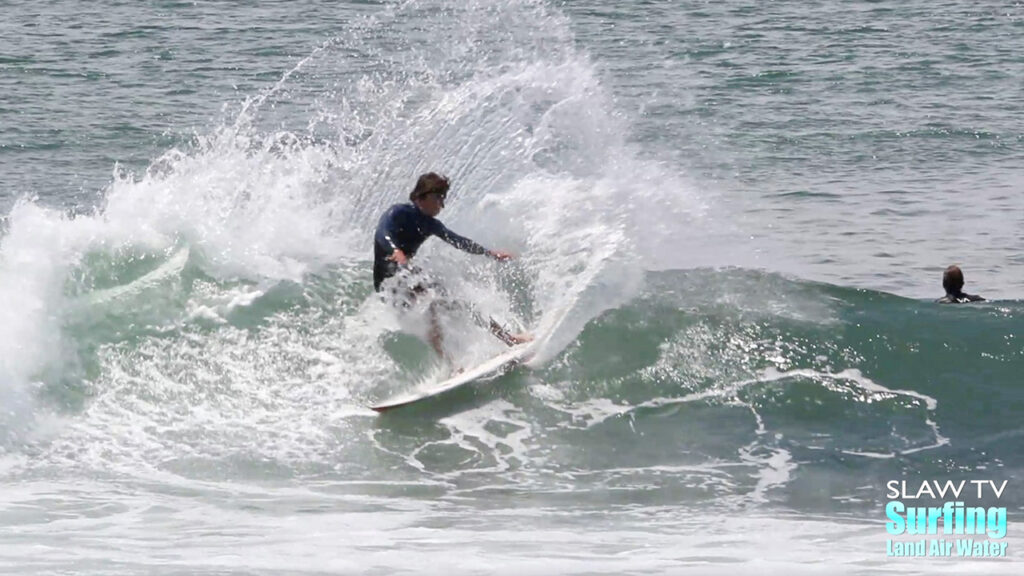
(953, 280)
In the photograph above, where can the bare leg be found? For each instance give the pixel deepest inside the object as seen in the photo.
(435, 334)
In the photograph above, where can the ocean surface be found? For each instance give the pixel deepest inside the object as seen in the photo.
(731, 218)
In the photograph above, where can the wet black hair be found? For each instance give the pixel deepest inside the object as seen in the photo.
(953, 280)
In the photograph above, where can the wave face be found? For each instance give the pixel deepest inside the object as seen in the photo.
(731, 387)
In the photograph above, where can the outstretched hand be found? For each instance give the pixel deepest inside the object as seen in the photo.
(500, 256)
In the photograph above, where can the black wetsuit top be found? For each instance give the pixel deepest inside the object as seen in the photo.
(404, 227)
(959, 298)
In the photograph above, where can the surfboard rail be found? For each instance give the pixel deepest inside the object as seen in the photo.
(519, 354)
(488, 368)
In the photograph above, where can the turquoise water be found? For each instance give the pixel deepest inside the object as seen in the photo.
(746, 209)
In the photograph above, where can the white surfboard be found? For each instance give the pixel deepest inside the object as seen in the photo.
(516, 355)
(488, 368)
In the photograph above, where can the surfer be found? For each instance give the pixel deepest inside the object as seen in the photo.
(401, 231)
(953, 283)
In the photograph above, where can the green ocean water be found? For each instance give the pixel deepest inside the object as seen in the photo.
(745, 208)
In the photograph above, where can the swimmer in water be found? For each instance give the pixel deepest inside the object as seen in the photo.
(953, 283)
